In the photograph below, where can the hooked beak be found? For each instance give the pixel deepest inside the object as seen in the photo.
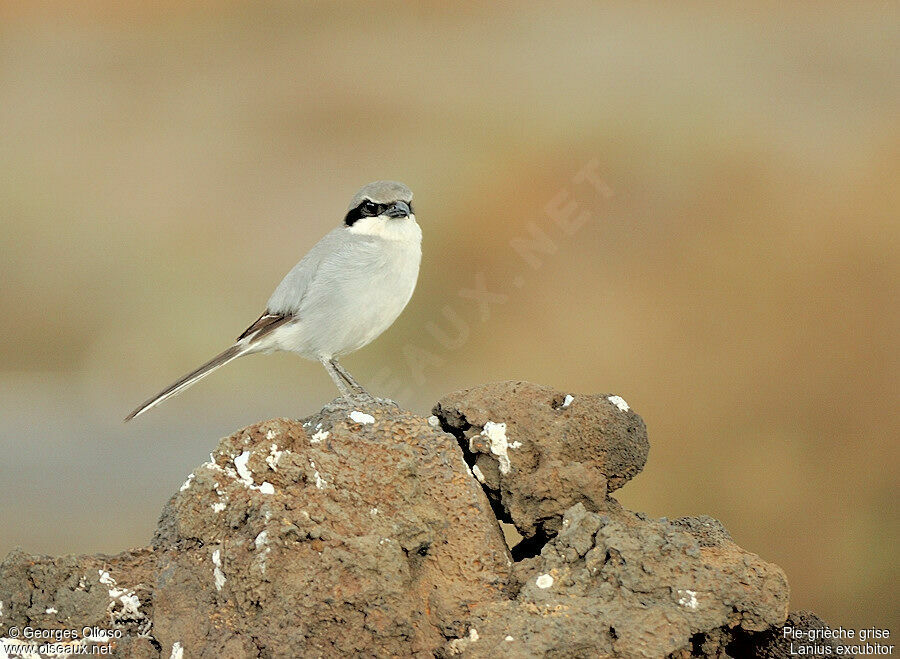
(398, 209)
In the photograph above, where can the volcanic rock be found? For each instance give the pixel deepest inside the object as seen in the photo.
(363, 531)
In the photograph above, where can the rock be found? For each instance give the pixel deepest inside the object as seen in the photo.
(772, 644)
(111, 594)
(613, 583)
(361, 531)
(372, 524)
(539, 451)
(709, 532)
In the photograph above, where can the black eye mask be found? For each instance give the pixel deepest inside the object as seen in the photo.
(368, 209)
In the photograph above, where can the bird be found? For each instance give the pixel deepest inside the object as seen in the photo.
(348, 289)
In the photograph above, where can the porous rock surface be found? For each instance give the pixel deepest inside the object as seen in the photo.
(540, 451)
(361, 531)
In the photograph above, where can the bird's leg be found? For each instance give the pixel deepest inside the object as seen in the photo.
(349, 379)
(336, 377)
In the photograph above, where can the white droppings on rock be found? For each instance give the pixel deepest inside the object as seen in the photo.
(476, 471)
(261, 544)
(619, 402)
(271, 434)
(218, 575)
(213, 465)
(51, 610)
(240, 463)
(130, 604)
(245, 476)
(273, 457)
(186, 483)
(218, 507)
(177, 651)
(320, 482)
(499, 444)
(434, 422)
(319, 436)
(687, 598)
(508, 639)
(458, 645)
(544, 581)
(361, 417)
(568, 401)
(374, 511)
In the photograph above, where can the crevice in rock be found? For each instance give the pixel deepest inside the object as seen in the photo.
(697, 641)
(258, 644)
(496, 504)
(529, 547)
(742, 644)
(454, 422)
(458, 430)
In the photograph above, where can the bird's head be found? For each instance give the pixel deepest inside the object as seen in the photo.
(382, 201)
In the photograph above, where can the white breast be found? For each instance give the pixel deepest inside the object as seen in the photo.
(357, 291)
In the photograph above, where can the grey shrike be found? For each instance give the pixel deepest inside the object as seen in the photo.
(344, 293)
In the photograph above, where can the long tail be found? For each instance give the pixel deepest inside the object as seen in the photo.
(221, 359)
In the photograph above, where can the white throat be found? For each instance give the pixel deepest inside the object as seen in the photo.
(403, 229)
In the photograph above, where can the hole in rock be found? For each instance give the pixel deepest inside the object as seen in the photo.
(529, 547)
(697, 644)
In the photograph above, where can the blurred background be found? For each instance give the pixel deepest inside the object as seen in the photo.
(692, 206)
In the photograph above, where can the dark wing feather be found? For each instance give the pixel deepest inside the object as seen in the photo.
(263, 325)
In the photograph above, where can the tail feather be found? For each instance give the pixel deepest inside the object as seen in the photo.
(221, 359)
